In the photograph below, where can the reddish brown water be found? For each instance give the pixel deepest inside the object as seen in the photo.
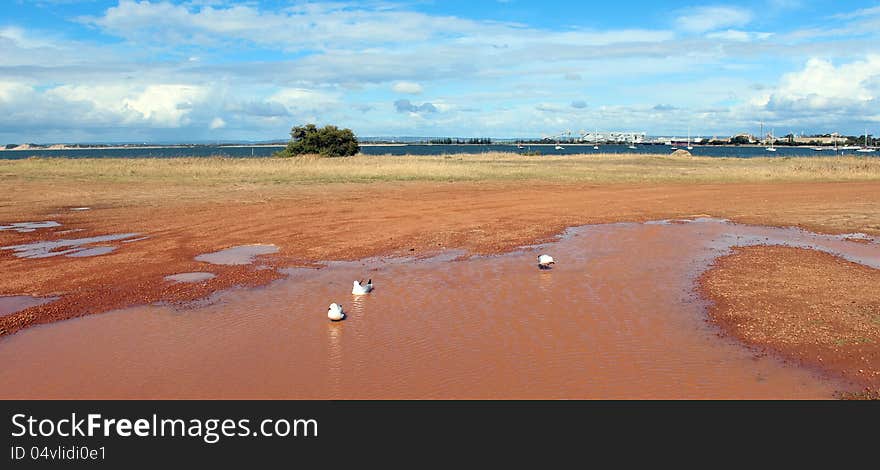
(615, 318)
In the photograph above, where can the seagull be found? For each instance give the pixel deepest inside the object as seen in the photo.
(544, 261)
(335, 312)
(359, 288)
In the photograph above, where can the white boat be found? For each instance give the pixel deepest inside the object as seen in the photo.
(771, 148)
(866, 149)
(520, 146)
(559, 147)
(689, 147)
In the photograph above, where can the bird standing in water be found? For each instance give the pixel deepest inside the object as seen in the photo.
(545, 262)
(335, 312)
(360, 288)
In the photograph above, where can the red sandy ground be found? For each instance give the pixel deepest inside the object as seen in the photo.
(807, 305)
(313, 223)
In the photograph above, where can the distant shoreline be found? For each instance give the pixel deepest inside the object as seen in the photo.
(126, 147)
(372, 144)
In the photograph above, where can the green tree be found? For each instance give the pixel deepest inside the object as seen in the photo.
(739, 140)
(328, 141)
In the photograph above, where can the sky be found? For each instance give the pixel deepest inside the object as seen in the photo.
(217, 70)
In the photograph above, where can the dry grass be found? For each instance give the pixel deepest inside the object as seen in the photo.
(470, 167)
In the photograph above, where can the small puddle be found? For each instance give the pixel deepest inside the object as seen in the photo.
(16, 303)
(86, 252)
(78, 209)
(67, 247)
(190, 277)
(617, 317)
(23, 227)
(243, 254)
(857, 237)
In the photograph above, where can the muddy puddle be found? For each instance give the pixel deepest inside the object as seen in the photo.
(73, 248)
(237, 255)
(617, 317)
(190, 277)
(24, 227)
(16, 303)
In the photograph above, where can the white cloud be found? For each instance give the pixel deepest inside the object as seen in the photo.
(259, 67)
(821, 85)
(308, 25)
(303, 98)
(25, 47)
(12, 90)
(166, 104)
(22, 39)
(738, 35)
(410, 88)
(861, 13)
(713, 18)
(217, 123)
(821, 96)
(159, 105)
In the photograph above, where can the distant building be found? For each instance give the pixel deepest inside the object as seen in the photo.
(613, 137)
(819, 140)
(625, 137)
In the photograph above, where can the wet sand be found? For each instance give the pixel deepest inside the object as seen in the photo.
(313, 223)
(618, 317)
(310, 224)
(818, 309)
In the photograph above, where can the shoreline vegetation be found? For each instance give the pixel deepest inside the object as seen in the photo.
(490, 166)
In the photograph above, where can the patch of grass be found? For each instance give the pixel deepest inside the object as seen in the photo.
(852, 341)
(471, 167)
(866, 394)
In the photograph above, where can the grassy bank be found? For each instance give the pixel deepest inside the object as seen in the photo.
(472, 167)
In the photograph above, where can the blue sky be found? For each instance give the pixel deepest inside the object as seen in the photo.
(202, 70)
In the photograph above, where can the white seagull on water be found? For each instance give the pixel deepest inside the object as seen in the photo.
(360, 288)
(335, 312)
(544, 261)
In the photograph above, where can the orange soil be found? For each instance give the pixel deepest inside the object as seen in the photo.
(313, 223)
(808, 305)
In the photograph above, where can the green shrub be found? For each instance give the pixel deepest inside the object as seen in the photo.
(327, 141)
